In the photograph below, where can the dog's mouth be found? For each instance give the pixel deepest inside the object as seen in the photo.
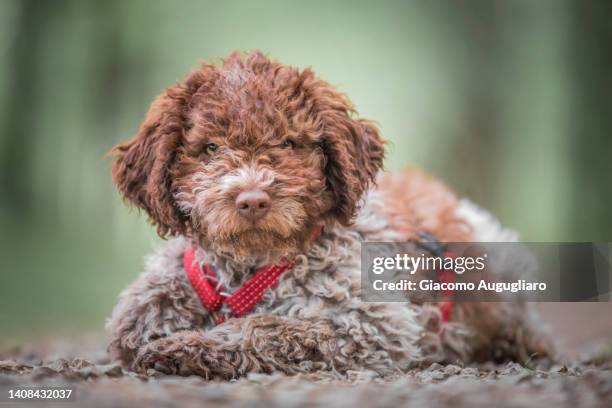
(281, 222)
(248, 226)
(256, 243)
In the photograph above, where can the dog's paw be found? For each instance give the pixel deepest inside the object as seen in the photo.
(160, 355)
(293, 346)
(178, 354)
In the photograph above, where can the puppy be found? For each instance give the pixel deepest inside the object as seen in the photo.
(261, 175)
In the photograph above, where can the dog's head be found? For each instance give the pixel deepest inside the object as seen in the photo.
(248, 157)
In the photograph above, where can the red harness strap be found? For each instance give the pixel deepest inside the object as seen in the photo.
(447, 276)
(244, 299)
(437, 248)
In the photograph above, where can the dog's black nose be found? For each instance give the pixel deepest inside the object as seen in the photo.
(253, 205)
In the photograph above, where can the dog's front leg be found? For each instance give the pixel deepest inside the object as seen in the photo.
(159, 303)
(257, 343)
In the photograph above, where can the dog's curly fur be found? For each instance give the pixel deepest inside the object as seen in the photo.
(250, 122)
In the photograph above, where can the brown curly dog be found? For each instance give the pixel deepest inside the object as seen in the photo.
(261, 174)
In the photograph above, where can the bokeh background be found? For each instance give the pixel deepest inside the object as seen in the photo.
(510, 102)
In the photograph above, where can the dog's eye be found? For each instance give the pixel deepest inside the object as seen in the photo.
(287, 144)
(211, 148)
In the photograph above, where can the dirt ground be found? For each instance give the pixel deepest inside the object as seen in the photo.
(583, 333)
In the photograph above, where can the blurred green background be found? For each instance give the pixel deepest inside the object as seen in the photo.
(510, 102)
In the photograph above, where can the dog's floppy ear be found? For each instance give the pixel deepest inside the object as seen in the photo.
(141, 166)
(354, 152)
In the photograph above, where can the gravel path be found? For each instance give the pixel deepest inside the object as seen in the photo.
(98, 383)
